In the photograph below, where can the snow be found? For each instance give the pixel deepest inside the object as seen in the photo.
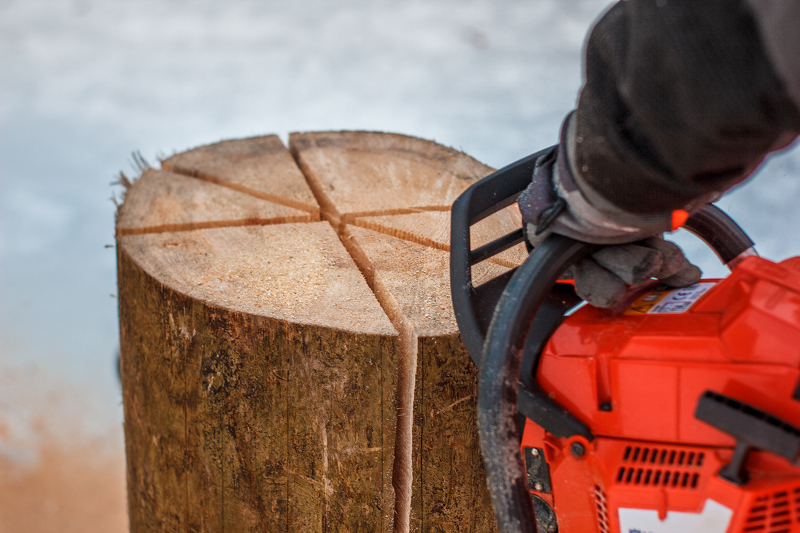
(84, 83)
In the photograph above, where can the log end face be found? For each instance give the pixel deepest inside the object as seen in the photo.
(384, 171)
(255, 165)
(164, 201)
(298, 273)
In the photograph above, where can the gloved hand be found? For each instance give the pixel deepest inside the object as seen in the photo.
(557, 202)
(602, 278)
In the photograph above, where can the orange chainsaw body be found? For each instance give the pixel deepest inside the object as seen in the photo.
(634, 376)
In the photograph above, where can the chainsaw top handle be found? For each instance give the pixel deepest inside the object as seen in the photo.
(506, 322)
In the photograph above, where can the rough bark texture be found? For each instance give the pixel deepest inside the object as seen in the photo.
(290, 359)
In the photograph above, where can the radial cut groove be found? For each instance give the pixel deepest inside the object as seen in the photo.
(400, 234)
(191, 226)
(288, 202)
(350, 217)
(417, 239)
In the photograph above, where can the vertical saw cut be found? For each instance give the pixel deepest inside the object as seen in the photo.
(393, 215)
(289, 355)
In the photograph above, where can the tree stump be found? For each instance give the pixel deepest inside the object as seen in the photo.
(289, 355)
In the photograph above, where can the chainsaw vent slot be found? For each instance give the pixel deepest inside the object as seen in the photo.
(601, 505)
(774, 513)
(662, 456)
(660, 467)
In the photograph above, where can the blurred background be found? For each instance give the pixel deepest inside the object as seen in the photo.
(84, 83)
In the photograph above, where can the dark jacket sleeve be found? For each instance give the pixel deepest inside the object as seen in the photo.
(680, 102)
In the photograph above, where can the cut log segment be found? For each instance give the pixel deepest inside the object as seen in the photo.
(241, 422)
(285, 374)
(293, 272)
(406, 182)
(163, 201)
(259, 166)
(387, 173)
(447, 471)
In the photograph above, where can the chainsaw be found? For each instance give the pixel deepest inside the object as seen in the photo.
(674, 411)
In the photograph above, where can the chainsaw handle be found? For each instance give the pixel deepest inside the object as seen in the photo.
(474, 306)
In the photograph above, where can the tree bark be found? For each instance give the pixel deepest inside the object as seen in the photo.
(289, 355)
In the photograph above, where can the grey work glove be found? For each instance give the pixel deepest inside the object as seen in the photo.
(634, 251)
(603, 278)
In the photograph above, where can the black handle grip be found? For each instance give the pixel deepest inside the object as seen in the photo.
(474, 306)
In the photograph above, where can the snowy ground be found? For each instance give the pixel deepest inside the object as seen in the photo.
(83, 83)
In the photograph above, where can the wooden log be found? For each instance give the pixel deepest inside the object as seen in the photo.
(290, 358)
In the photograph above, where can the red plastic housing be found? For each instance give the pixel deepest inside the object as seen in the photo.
(741, 338)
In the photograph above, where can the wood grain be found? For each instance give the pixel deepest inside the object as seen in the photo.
(258, 166)
(164, 202)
